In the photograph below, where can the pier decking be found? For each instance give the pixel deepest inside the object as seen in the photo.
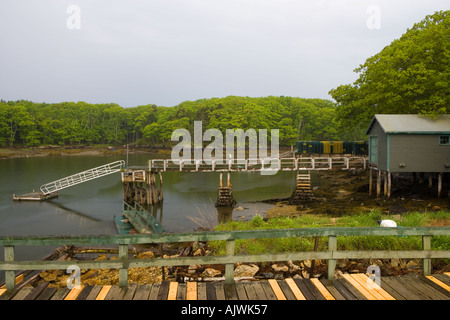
(347, 287)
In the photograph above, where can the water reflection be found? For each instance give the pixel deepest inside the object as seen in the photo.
(224, 214)
(65, 209)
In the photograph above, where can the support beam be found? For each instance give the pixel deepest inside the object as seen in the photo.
(229, 267)
(332, 246)
(123, 272)
(426, 264)
(389, 185)
(10, 281)
(378, 183)
(161, 195)
(370, 182)
(439, 184)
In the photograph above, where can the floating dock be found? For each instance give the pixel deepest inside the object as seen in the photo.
(35, 196)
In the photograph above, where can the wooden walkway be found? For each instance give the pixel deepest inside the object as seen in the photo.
(347, 287)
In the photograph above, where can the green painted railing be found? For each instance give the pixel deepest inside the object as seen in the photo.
(141, 218)
(9, 265)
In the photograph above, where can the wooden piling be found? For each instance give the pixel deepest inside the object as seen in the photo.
(370, 182)
(141, 187)
(161, 196)
(439, 184)
(389, 185)
(225, 194)
(378, 184)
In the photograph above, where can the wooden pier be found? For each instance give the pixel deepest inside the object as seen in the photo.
(356, 286)
(268, 165)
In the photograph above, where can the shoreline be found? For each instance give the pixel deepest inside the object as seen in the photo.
(57, 151)
(96, 150)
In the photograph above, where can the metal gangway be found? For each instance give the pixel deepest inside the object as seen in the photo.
(83, 176)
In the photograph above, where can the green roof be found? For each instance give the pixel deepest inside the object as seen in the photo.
(411, 124)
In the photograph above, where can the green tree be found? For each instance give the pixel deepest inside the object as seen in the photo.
(411, 75)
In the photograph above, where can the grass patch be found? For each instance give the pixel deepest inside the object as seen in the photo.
(259, 246)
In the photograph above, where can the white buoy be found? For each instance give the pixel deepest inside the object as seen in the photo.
(387, 223)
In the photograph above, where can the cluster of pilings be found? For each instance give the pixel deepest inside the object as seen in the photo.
(225, 193)
(140, 186)
(384, 180)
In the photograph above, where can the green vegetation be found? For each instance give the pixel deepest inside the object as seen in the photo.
(410, 75)
(413, 219)
(24, 123)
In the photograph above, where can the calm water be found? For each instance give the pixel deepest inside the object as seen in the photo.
(89, 208)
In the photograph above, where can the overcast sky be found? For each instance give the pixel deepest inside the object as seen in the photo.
(167, 51)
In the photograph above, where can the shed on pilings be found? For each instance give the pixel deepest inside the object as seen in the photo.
(409, 143)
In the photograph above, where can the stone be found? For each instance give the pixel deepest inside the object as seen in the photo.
(307, 263)
(412, 265)
(292, 267)
(280, 268)
(239, 208)
(210, 272)
(395, 263)
(193, 268)
(245, 270)
(145, 255)
(267, 275)
(279, 276)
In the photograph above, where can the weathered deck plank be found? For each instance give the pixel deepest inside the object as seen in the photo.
(350, 287)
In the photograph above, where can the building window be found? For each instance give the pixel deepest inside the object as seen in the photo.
(373, 149)
(444, 140)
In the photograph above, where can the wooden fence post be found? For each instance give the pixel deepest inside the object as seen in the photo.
(10, 280)
(123, 272)
(229, 267)
(426, 264)
(332, 245)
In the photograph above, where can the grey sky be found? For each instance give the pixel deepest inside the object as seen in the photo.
(167, 51)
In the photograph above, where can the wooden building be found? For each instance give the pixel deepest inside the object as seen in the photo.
(408, 143)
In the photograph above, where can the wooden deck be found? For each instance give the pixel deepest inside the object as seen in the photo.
(347, 287)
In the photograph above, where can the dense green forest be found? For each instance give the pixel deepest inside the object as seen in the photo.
(25, 123)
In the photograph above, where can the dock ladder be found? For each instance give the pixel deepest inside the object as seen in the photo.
(83, 176)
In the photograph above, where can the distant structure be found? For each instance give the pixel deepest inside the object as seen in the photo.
(408, 143)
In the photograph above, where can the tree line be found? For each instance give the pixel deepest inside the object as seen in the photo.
(26, 123)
